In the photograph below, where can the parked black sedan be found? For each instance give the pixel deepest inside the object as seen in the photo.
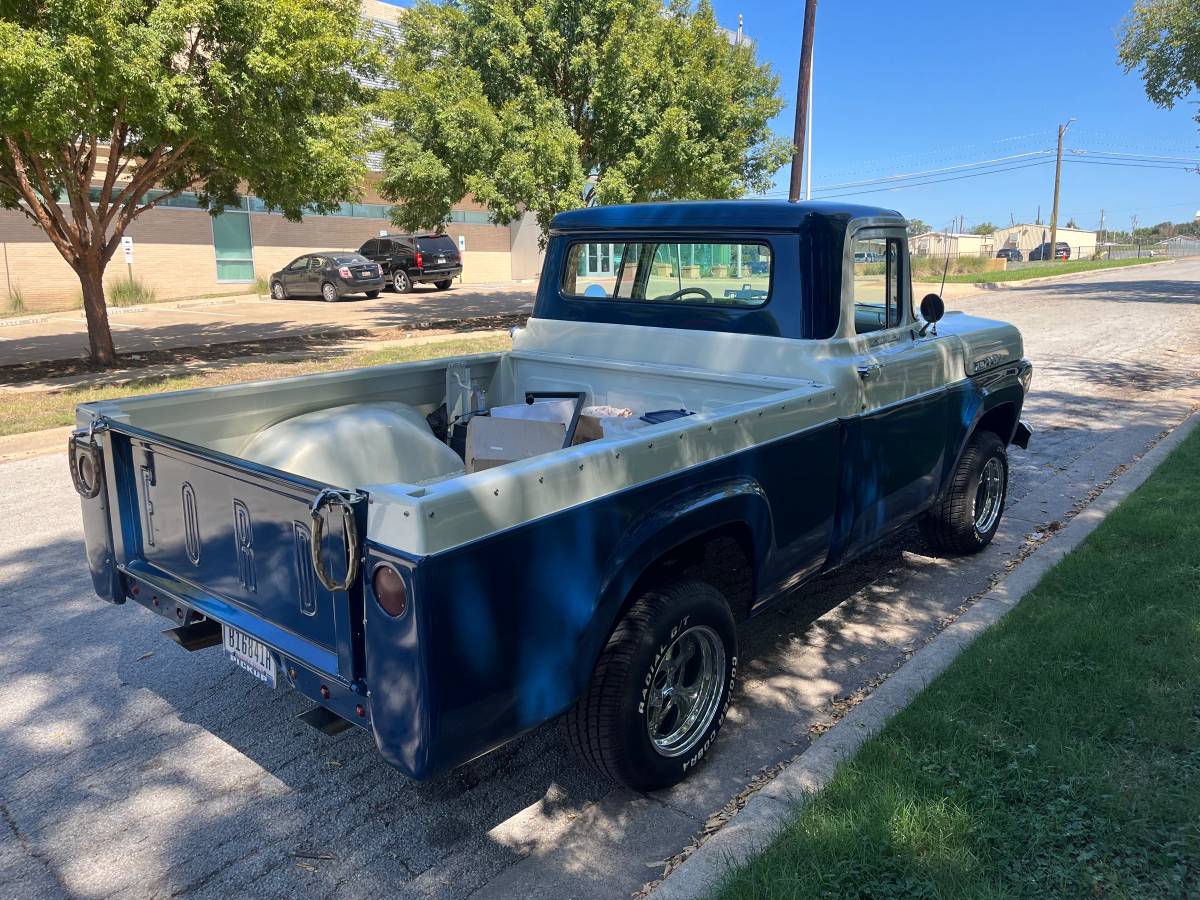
(1012, 254)
(330, 275)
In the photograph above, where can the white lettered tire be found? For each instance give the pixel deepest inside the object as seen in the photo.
(661, 689)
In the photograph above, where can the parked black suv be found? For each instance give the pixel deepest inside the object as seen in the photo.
(1012, 254)
(331, 274)
(1062, 250)
(409, 259)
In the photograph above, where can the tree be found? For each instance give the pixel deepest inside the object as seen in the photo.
(1162, 39)
(544, 105)
(984, 228)
(1071, 223)
(916, 226)
(108, 109)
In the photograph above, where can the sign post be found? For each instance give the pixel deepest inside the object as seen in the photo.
(127, 246)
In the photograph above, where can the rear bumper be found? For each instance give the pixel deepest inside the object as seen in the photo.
(359, 285)
(426, 276)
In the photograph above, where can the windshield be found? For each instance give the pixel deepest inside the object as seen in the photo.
(719, 273)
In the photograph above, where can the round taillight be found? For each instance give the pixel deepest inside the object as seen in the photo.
(389, 590)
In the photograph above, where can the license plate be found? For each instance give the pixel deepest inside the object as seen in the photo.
(441, 259)
(249, 654)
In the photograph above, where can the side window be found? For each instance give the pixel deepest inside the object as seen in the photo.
(298, 265)
(370, 248)
(877, 284)
(316, 262)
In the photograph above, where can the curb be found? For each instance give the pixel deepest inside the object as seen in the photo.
(768, 811)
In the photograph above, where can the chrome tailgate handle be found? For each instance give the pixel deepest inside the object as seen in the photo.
(85, 460)
(345, 500)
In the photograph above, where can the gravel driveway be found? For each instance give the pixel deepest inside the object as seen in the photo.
(134, 769)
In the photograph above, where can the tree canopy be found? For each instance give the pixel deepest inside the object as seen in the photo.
(109, 108)
(1162, 39)
(533, 104)
(916, 226)
(983, 228)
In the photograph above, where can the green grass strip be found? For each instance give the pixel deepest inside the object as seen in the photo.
(1061, 268)
(1059, 756)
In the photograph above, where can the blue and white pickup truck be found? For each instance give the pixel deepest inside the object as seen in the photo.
(452, 552)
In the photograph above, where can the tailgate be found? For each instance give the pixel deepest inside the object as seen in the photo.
(234, 540)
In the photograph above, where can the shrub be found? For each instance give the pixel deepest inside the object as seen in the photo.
(16, 302)
(931, 266)
(262, 284)
(128, 292)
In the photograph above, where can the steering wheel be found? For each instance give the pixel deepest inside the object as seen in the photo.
(683, 292)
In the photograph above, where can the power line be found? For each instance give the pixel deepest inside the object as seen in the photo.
(942, 153)
(1109, 153)
(1135, 165)
(985, 162)
(898, 187)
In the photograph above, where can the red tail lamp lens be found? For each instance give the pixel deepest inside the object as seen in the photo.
(389, 590)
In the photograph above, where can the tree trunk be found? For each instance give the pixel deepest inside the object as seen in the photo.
(91, 279)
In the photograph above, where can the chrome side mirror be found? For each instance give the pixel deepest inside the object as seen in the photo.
(932, 310)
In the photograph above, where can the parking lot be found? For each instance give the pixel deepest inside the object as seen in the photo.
(135, 769)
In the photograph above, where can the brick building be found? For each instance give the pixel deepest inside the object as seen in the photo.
(180, 251)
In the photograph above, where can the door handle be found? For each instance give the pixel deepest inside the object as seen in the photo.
(868, 370)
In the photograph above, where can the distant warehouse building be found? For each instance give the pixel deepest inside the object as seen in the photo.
(179, 250)
(939, 243)
(1026, 237)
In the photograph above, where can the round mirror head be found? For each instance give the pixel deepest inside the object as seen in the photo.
(932, 308)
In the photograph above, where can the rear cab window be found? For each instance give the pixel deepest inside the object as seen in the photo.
(351, 259)
(711, 273)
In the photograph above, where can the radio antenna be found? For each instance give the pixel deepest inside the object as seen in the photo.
(946, 267)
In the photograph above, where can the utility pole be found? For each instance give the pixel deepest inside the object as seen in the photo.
(808, 142)
(1062, 129)
(1103, 233)
(804, 83)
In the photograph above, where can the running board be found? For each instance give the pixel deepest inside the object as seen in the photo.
(196, 636)
(324, 720)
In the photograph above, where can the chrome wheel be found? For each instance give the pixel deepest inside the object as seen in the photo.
(329, 292)
(400, 281)
(277, 291)
(989, 496)
(685, 691)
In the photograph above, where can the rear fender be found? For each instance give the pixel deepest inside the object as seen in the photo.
(696, 512)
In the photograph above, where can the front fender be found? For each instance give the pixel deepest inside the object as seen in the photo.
(984, 394)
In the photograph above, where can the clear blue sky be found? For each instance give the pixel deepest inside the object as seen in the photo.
(908, 87)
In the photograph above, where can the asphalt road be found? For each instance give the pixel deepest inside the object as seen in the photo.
(200, 323)
(130, 768)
